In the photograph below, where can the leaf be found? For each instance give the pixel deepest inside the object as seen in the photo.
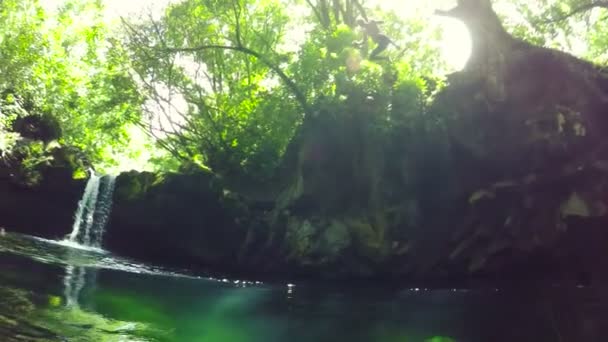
(481, 194)
(575, 206)
(79, 174)
(561, 121)
(52, 145)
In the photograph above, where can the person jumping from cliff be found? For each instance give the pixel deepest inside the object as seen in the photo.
(372, 30)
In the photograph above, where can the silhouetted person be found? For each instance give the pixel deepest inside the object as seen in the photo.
(372, 30)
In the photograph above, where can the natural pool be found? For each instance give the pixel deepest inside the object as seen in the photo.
(54, 292)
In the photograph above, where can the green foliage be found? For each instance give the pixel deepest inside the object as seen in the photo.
(71, 68)
(229, 91)
(575, 26)
(25, 159)
(232, 116)
(226, 84)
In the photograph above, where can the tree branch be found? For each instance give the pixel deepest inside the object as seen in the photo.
(361, 9)
(577, 10)
(315, 11)
(288, 81)
(236, 7)
(325, 14)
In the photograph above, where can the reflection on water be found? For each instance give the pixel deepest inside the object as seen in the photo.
(72, 254)
(52, 292)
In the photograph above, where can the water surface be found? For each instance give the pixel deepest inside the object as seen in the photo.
(51, 291)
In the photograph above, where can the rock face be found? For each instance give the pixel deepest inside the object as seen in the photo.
(38, 194)
(517, 169)
(527, 130)
(511, 183)
(38, 199)
(174, 219)
(45, 209)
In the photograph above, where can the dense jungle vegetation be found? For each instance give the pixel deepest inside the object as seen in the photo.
(303, 170)
(224, 85)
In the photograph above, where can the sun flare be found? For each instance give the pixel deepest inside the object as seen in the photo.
(455, 43)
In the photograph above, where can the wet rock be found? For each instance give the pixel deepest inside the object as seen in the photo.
(43, 208)
(299, 239)
(334, 240)
(319, 242)
(37, 127)
(177, 219)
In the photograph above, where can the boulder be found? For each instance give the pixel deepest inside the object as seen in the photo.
(174, 219)
(45, 209)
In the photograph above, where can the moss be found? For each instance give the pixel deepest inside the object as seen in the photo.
(15, 301)
(334, 240)
(369, 240)
(133, 185)
(75, 324)
(575, 206)
(21, 317)
(299, 238)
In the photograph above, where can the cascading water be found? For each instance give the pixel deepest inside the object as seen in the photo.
(87, 232)
(93, 211)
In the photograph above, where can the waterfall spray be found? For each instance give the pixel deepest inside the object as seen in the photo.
(93, 211)
(86, 207)
(88, 229)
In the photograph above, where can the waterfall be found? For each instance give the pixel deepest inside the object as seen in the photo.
(93, 211)
(87, 231)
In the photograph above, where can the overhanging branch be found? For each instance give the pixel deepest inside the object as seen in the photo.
(288, 81)
(577, 10)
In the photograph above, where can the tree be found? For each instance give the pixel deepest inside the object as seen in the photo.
(72, 68)
(575, 26)
(231, 92)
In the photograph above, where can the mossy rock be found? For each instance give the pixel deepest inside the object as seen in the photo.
(15, 301)
(37, 127)
(334, 240)
(132, 185)
(299, 238)
(368, 241)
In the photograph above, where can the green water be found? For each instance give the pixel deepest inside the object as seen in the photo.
(109, 299)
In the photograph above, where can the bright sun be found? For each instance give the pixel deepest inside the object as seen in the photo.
(455, 43)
